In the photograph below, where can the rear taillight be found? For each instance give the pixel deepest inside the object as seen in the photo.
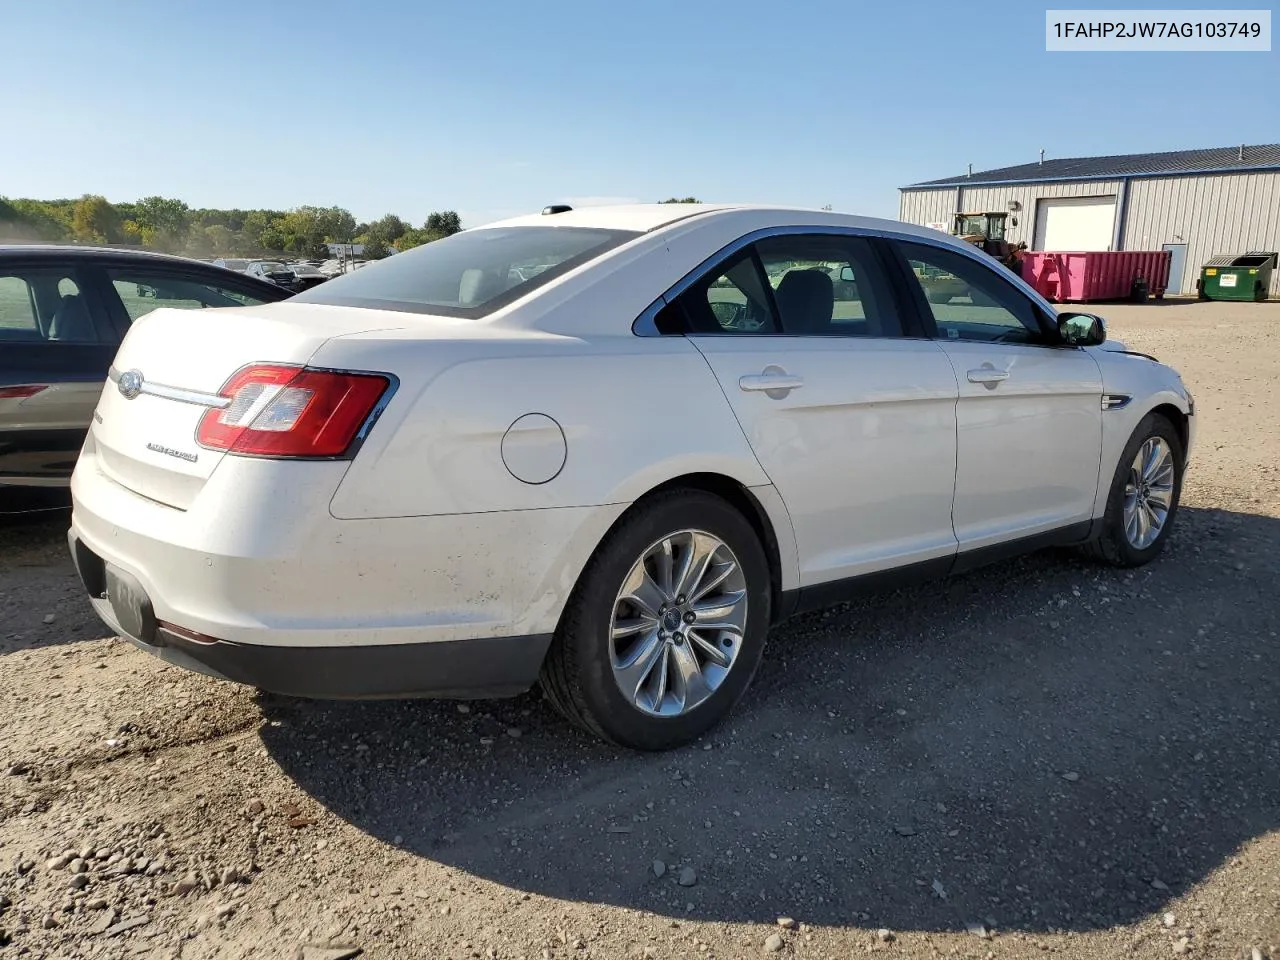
(22, 392)
(285, 411)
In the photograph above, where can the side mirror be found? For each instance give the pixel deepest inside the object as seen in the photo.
(846, 274)
(1081, 329)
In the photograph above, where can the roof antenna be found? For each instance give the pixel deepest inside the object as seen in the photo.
(1042, 154)
(970, 173)
(1240, 156)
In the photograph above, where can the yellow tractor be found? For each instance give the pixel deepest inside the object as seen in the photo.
(986, 232)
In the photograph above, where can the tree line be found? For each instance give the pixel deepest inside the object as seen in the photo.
(170, 226)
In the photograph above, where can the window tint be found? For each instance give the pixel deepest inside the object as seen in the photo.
(732, 299)
(968, 300)
(17, 310)
(42, 304)
(471, 273)
(141, 292)
(828, 286)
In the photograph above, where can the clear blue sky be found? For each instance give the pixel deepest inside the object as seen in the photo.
(494, 108)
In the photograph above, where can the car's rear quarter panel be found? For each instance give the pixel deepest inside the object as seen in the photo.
(635, 412)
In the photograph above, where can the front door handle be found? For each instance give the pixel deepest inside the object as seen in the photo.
(773, 382)
(987, 375)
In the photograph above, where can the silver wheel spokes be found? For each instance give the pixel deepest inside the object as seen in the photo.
(678, 622)
(1148, 493)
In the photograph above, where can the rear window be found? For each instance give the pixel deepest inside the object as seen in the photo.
(468, 274)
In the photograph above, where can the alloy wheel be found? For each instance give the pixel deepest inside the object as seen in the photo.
(678, 622)
(1148, 493)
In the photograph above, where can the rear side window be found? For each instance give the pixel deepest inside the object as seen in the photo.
(800, 285)
(17, 310)
(468, 274)
(828, 287)
(45, 304)
(142, 291)
(732, 298)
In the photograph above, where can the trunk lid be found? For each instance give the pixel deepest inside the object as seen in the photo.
(147, 442)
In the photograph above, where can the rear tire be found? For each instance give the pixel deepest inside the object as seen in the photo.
(1143, 500)
(623, 626)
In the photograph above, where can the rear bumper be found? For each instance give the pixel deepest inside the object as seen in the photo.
(257, 582)
(482, 667)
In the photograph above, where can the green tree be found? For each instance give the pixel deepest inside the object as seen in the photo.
(443, 223)
(389, 228)
(94, 220)
(30, 220)
(375, 248)
(167, 219)
(132, 232)
(259, 232)
(335, 224)
(219, 239)
(682, 200)
(163, 213)
(413, 237)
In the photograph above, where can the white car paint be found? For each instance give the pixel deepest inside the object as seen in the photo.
(1029, 444)
(863, 453)
(887, 455)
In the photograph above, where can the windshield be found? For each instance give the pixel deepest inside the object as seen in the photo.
(471, 273)
(235, 264)
(271, 266)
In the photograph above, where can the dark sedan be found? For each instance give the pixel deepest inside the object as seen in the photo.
(63, 313)
(273, 271)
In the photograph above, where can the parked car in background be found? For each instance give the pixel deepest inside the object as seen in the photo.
(446, 474)
(236, 264)
(273, 271)
(307, 275)
(63, 312)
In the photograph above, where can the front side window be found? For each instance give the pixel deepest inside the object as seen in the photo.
(43, 304)
(969, 300)
(141, 292)
(471, 273)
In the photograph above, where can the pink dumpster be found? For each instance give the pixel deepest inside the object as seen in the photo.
(1095, 275)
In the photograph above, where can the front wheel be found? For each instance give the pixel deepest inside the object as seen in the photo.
(666, 625)
(1144, 496)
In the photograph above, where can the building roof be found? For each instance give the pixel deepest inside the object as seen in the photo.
(1264, 156)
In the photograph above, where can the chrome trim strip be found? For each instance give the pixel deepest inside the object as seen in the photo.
(181, 395)
(1114, 401)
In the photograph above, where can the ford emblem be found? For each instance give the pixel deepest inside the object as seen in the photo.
(130, 384)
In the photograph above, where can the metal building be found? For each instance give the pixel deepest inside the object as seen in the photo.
(1195, 203)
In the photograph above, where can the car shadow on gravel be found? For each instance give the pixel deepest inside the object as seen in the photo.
(1044, 744)
(42, 603)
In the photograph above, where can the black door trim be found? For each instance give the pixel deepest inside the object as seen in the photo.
(821, 595)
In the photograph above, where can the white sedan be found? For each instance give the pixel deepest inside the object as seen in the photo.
(604, 450)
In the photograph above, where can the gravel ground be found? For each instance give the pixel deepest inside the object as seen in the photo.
(1042, 756)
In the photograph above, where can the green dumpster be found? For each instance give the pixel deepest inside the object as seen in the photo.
(1245, 276)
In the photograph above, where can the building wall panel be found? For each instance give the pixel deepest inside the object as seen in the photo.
(1211, 214)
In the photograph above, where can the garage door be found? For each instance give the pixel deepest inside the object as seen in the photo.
(1075, 223)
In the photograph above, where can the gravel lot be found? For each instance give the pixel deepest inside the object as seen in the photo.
(1043, 756)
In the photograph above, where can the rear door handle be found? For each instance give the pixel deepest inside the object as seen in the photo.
(988, 375)
(773, 382)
